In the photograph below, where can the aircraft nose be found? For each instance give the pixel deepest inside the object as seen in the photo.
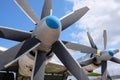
(111, 53)
(53, 22)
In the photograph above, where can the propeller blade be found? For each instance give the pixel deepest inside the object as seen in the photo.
(80, 47)
(91, 41)
(104, 70)
(105, 39)
(70, 63)
(13, 54)
(14, 34)
(72, 17)
(25, 7)
(116, 60)
(47, 9)
(108, 76)
(39, 66)
(86, 62)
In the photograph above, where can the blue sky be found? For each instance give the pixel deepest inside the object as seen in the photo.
(102, 14)
(11, 16)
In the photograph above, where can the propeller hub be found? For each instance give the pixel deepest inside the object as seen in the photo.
(105, 55)
(111, 53)
(53, 22)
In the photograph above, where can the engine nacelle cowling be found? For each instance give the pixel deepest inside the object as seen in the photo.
(107, 55)
(47, 31)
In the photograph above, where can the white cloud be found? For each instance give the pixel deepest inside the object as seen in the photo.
(2, 48)
(102, 14)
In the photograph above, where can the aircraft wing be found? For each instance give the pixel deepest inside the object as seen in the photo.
(50, 68)
(13, 67)
(55, 68)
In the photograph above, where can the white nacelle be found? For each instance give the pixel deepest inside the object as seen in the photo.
(25, 65)
(106, 55)
(46, 35)
(89, 67)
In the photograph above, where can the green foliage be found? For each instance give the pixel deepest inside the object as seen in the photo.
(94, 74)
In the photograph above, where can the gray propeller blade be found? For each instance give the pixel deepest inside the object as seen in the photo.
(91, 41)
(104, 70)
(105, 39)
(14, 34)
(71, 18)
(108, 76)
(116, 60)
(47, 9)
(70, 63)
(25, 7)
(79, 47)
(39, 67)
(86, 62)
(12, 54)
